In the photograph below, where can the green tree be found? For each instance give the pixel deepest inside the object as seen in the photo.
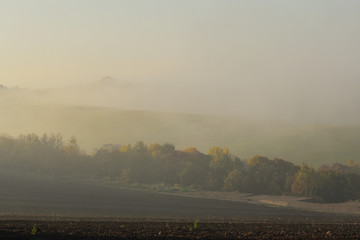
(72, 147)
(154, 149)
(126, 148)
(140, 147)
(235, 181)
(220, 166)
(306, 181)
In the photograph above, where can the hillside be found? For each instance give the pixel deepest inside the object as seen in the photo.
(28, 196)
(95, 126)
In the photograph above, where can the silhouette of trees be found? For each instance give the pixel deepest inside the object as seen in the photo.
(306, 181)
(164, 164)
(220, 166)
(72, 146)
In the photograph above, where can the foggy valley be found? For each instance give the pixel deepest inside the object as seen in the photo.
(183, 119)
(108, 111)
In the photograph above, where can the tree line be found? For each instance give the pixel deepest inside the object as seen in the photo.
(162, 163)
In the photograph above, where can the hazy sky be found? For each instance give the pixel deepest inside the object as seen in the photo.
(283, 51)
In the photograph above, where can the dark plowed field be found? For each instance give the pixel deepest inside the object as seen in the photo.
(21, 196)
(174, 230)
(48, 209)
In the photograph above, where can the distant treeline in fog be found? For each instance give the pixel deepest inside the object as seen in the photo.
(163, 164)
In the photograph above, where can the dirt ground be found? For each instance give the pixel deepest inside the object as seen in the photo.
(39, 197)
(350, 207)
(152, 229)
(45, 209)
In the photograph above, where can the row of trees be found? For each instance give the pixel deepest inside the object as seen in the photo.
(156, 163)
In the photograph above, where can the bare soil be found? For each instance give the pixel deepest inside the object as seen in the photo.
(152, 229)
(23, 196)
(70, 210)
(290, 202)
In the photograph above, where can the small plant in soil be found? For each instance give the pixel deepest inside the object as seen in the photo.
(34, 230)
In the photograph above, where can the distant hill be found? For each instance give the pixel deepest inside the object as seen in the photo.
(151, 95)
(95, 126)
